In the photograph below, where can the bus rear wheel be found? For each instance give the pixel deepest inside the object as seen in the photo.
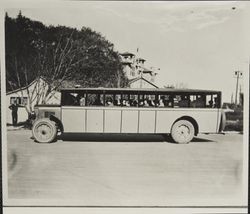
(182, 131)
(44, 130)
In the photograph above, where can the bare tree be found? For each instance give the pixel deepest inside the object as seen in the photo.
(57, 63)
(53, 64)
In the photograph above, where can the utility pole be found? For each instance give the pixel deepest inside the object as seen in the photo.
(237, 74)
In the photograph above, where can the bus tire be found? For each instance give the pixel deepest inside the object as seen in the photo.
(182, 132)
(44, 130)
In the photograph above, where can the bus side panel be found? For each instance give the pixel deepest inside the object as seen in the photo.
(73, 119)
(129, 121)
(207, 119)
(164, 120)
(112, 121)
(146, 121)
(95, 120)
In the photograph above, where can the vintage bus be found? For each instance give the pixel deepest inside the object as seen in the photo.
(182, 113)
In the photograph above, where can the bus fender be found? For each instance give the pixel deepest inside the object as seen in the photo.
(222, 121)
(58, 122)
(192, 120)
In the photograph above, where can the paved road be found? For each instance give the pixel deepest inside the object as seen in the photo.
(123, 170)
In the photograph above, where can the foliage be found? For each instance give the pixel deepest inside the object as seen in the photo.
(58, 54)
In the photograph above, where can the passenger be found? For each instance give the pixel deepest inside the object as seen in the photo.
(146, 103)
(184, 102)
(82, 101)
(200, 103)
(161, 103)
(123, 102)
(97, 102)
(156, 103)
(119, 103)
(72, 100)
(210, 103)
(215, 102)
(168, 103)
(148, 100)
(116, 102)
(77, 100)
(127, 103)
(151, 103)
(141, 103)
(135, 103)
(110, 102)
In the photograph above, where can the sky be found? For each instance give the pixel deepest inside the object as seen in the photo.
(198, 44)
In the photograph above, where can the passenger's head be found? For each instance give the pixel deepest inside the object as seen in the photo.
(141, 102)
(109, 101)
(135, 103)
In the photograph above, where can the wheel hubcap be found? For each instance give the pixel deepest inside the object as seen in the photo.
(183, 132)
(44, 131)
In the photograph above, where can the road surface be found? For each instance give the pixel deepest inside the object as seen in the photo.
(126, 170)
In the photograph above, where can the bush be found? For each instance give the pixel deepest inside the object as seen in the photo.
(234, 121)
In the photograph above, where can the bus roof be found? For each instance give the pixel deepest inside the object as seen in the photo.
(159, 90)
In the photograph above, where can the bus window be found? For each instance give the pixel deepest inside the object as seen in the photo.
(166, 101)
(213, 101)
(192, 101)
(81, 99)
(125, 100)
(95, 99)
(109, 100)
(113, 99)
(146, 100)
(198, 101)
(216, 101)
(177, 99)
(133, 100)
(73, 98)
(209, 101)
(141, 100)
(182, 101)
(117, 99)
(149, 101)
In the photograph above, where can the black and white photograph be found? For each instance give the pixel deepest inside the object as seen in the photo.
(120, 105)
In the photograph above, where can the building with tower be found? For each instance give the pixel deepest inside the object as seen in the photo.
(138, 74)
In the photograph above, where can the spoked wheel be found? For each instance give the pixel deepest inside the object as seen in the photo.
(182, 131)
(44, 130)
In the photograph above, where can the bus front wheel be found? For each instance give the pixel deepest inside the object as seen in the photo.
(182, 131)
(44, 130)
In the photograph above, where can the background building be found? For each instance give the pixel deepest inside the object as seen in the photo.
(138, 74)
(27, 97)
